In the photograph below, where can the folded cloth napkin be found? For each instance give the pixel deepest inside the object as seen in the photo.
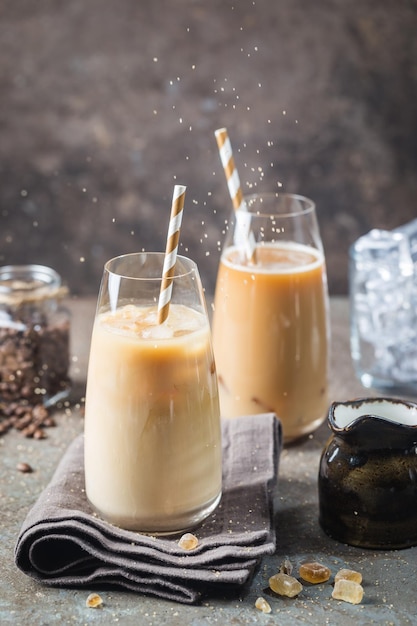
(63, 543)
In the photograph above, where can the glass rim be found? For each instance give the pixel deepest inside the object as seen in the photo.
(365, 241)
(309, 204)
(34, 276)
(192, 266)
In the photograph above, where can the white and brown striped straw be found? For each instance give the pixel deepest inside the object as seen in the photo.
(171, 252)
(228, 162)
(235, 191)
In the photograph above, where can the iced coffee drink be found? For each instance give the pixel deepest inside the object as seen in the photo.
(270, 330)
(152, 431)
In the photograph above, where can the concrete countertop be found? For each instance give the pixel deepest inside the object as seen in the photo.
(388, 576)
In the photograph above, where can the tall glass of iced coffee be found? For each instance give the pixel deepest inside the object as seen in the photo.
(152, 427)
(270, 324)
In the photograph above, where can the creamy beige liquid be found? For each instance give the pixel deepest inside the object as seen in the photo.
(270, 336)
(152, 432)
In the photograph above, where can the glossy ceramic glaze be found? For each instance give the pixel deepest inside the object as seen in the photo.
(368, 474)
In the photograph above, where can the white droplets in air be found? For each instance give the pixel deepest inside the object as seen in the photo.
(248, 54)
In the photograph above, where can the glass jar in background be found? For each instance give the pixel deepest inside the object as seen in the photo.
(383, 312)
(34, 337)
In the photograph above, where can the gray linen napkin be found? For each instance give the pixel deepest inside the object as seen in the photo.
(63, 543)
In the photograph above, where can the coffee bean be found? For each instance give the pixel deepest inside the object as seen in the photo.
(25, 468)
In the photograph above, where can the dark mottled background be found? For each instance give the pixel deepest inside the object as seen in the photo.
(106, 104)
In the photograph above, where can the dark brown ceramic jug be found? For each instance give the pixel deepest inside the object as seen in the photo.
(368, 474)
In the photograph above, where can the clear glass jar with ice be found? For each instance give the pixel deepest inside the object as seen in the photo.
(383, 297)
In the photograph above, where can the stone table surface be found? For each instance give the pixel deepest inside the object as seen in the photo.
(388, 575)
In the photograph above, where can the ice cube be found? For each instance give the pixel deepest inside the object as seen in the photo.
(159, 331)
(383, 251)
(410, 230)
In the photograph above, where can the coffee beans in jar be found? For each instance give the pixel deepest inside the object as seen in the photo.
(34, 346)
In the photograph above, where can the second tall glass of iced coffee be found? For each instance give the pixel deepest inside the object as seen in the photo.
(271, 319)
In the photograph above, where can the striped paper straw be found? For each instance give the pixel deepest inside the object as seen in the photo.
(244, 235)
(171, 252)
(228, 162)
